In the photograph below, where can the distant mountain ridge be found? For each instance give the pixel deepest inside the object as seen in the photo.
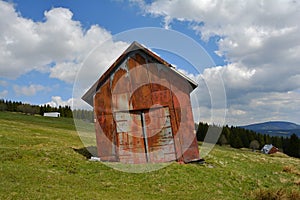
(275, 128)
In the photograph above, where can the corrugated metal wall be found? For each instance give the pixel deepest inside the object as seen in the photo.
(131, 127)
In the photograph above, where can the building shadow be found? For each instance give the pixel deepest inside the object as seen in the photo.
(87, 152)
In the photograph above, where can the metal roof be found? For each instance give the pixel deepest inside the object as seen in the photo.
(88, 96)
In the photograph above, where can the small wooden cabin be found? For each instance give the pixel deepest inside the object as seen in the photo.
(143, 110)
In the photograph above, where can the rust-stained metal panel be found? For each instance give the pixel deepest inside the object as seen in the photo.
(121, 102)
(186, 135)
(137, 71)
(140, 98)
(184, 99)
(160, 136)
(104, 125)
(158, 77)
(162, 97)
(180, 84)
(160, 141)
(120, 82)
(138, 88)
(140, 59)
(175, 126)
(154, 76)
(102, 99)
(105, 143)
(190, 154)
(134, 47)
(130, 139)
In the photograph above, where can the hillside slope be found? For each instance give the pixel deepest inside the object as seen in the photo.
(39, 160)
(275, 128)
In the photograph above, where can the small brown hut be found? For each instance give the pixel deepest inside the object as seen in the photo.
(143, 110)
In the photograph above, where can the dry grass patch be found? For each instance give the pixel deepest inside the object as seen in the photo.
(297, 182)
(279, 155)
(275, 194)
(295, 194)
(291, 169)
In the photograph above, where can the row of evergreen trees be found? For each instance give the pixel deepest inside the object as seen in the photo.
(238, 137)
(85, 115)
(17, 106)
(65, 111)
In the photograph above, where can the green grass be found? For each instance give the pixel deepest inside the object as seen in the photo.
(38, 161)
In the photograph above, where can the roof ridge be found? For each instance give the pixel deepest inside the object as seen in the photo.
(134, 46)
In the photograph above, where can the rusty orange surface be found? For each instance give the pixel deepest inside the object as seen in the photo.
(131, 127)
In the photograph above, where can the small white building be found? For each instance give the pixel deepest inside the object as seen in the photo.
(52, 114)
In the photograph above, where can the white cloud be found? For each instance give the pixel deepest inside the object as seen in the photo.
(30, 90)
(97, 62)
(259, 39)
(3, 94)
(58, 45)
(3, 83)
(265, 107)
(65, 71)
(253, 108)
(237, 76)
(252, 32)
(261, 42)
(57, 101)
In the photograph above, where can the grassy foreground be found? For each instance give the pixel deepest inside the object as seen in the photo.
(38, 161)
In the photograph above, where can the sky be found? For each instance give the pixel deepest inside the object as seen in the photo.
(48, 47)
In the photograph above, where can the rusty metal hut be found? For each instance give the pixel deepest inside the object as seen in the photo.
(269, 149)
(143, 111)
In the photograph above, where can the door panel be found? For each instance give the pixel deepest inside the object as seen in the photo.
(145, 136)
(160, 137)
(130, 139)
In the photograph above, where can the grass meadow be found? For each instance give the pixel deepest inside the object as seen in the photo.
(40, 159)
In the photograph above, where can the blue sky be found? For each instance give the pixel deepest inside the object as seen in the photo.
(254, 45)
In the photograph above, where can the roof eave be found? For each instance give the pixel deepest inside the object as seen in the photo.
(89, 95)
